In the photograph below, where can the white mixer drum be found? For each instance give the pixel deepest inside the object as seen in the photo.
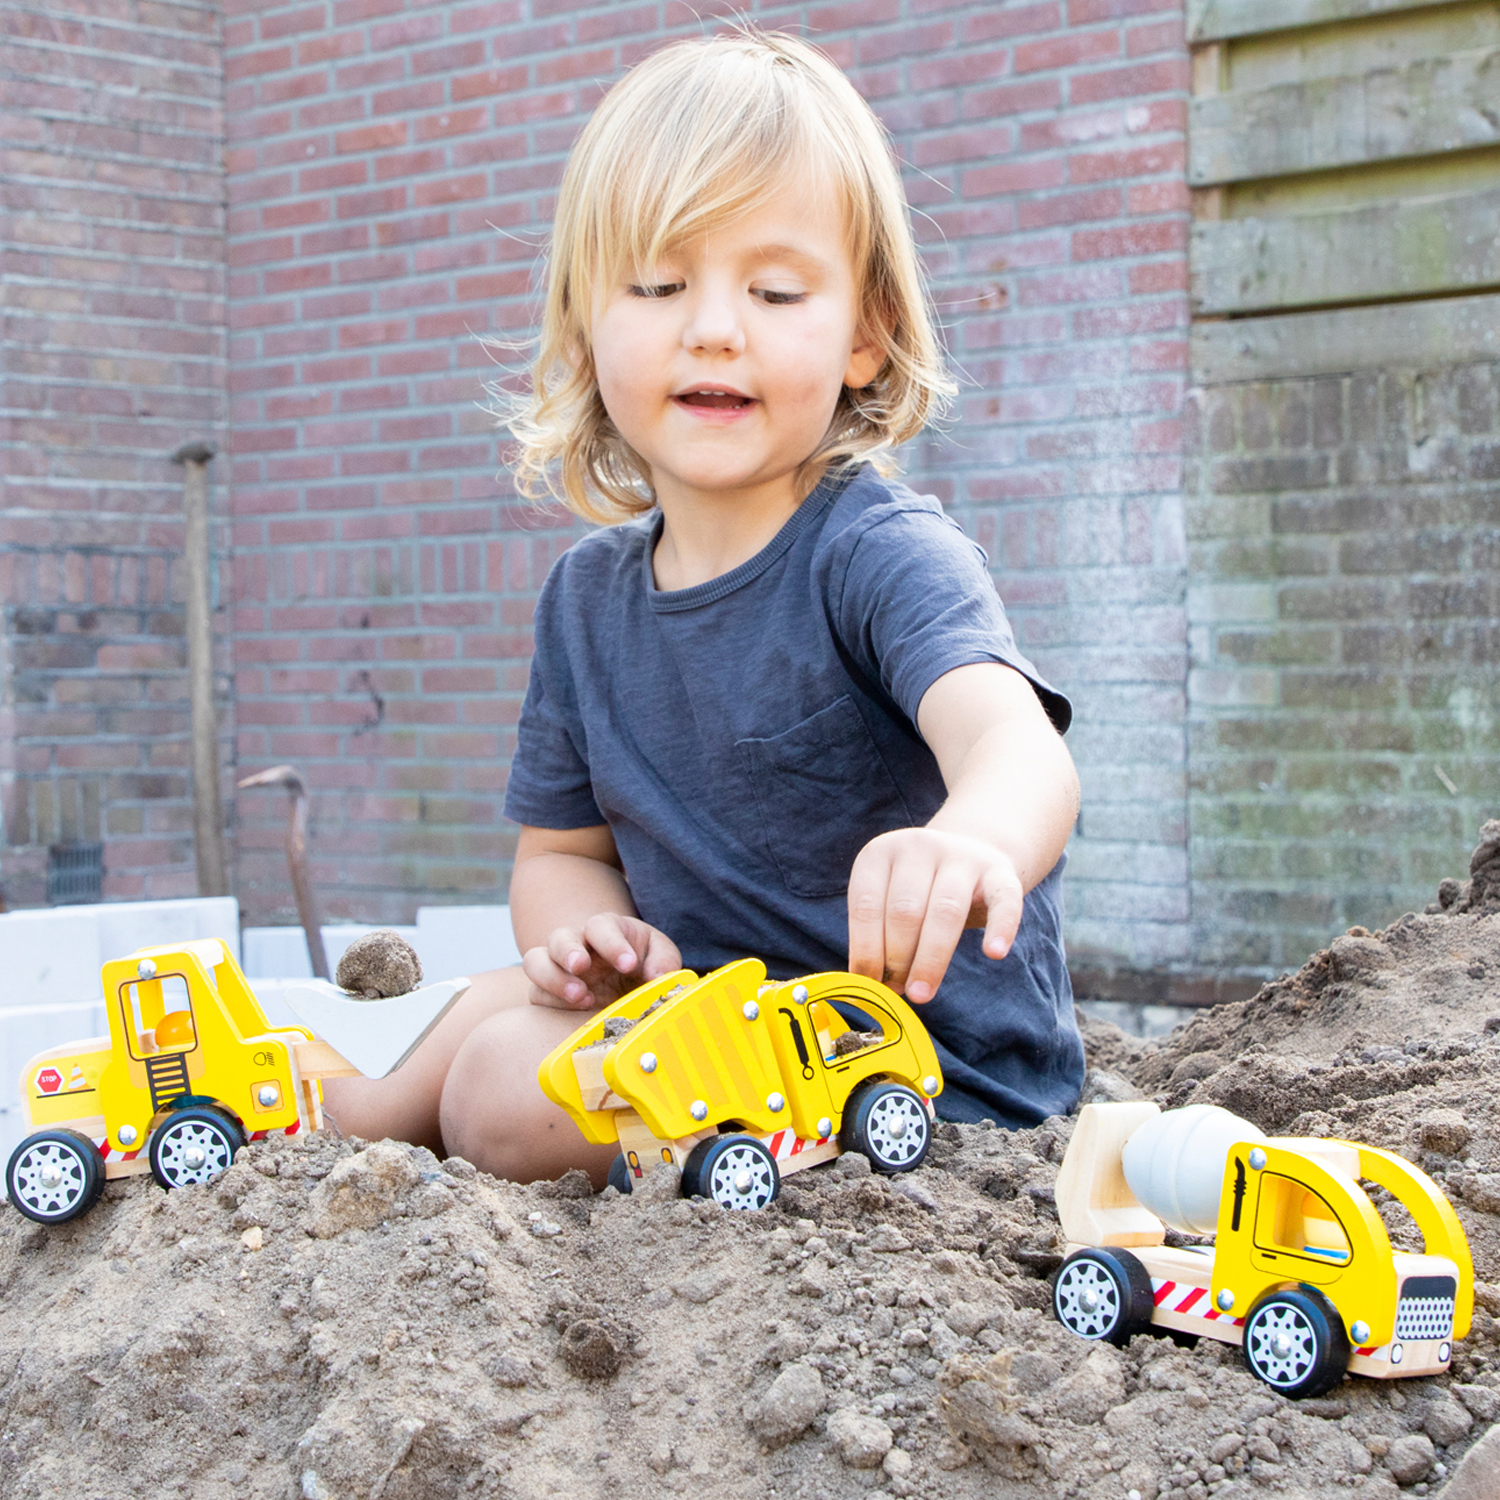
(1174, 1163)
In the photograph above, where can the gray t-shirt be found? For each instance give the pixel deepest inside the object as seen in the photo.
(745, 738)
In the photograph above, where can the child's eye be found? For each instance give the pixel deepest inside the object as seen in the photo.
(656, 292)
(782, 299)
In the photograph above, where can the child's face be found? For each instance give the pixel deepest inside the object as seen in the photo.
(764, 306)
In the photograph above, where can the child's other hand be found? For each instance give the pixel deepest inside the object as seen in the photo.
(582, 970)
(911, 894)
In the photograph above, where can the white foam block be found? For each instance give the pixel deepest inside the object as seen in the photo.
(377, 1036)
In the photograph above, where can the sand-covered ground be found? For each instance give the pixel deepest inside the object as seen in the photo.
(363, 1322)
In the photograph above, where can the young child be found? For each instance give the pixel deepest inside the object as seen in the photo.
(775, 708)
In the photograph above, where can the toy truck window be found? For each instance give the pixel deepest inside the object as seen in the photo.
(157, 1016)
(844, 1027)
(1290, 1220)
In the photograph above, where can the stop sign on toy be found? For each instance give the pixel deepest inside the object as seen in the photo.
(49, 1080)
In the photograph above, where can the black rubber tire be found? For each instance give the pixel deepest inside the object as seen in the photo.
(79, 1168)
(1317, 1353)
(873, 1109)
(207, 1128)
(1121, 1286)
(711, 1162)
(619, 1175)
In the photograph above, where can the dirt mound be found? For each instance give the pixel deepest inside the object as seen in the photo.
(335, 1320)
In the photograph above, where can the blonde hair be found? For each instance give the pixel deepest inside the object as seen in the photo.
(699, 133)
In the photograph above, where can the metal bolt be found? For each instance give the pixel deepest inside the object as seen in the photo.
(775, 1103)
(896, 1129)
(799, 994)
(267, 1095)
(1257, 1159)
(929, 1084)
(698, 1110)
(51, 1176)
(146, 968)
(825, 1128)
(750, 1010)
(742, 1182)
(1281, 1345)
(1225, 1299)
(1359, 1331)
(1089, 1301)
(194, 1156)
(648, 1062)
(127, 1135)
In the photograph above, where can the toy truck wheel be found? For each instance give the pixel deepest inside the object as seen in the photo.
(888, 1123)
(54, 1176)
(1103, 1294)
(736, 1171)
(194, 1145)
(1295, 1342)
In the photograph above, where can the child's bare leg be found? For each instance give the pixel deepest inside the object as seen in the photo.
(404, 1104)
(493, 1111)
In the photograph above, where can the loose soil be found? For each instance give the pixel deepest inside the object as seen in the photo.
(340, 1320)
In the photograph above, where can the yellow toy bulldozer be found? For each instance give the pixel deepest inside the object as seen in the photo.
(738, 1082)
(191, 1070)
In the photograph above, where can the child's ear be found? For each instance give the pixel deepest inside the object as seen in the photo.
(869, 353)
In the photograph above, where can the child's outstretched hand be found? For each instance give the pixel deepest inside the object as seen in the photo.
(912, 892)
(582, 970)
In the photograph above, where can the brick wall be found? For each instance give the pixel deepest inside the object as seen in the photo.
(391, 170)
(114, 355)
(1345, 709)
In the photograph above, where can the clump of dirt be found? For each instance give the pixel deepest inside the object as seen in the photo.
(379, 966)
(336, 1320)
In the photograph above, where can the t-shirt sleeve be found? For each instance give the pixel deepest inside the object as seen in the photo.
(549, 784)
(917, 601)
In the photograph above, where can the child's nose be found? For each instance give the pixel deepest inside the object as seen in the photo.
(713, 324)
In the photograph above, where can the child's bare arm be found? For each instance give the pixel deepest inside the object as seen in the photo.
(1012, 802)
(581, 942)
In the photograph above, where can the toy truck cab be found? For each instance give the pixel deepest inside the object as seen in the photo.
(1301, 1274)
(737, 1080)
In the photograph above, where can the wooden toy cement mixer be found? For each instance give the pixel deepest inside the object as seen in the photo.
(1301, 1274)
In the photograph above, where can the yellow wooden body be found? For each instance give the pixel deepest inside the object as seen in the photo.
(736, 1044)
(194, 1027)
(1271, 1233)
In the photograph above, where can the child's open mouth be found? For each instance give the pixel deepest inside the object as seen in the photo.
(713, 401)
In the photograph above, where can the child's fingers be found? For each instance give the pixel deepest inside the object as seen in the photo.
(662, 955)
(867, 888)
(571, 959)
(610, 936)
(553, 985)
(907, 899)
(1005, 900)
(948, 904)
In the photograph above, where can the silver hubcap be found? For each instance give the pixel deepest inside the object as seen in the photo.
(896, 1128)
(193, 1152)
(741, 1177)
(49, 1179)
(1087, 1299)
(1281, 1345)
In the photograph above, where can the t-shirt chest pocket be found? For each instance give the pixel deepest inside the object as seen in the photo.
(822, 792)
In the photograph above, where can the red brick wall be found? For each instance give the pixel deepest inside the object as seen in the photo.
(391, 168)
(113, 299)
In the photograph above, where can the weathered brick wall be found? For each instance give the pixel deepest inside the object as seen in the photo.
(391, 173)
(1344, 703)
(113, 301)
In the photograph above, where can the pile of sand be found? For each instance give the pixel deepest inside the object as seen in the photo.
(362, 1322)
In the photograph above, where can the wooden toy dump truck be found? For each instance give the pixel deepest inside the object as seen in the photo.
(738, 1082)
(1301, 1274)
(191, 1070)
